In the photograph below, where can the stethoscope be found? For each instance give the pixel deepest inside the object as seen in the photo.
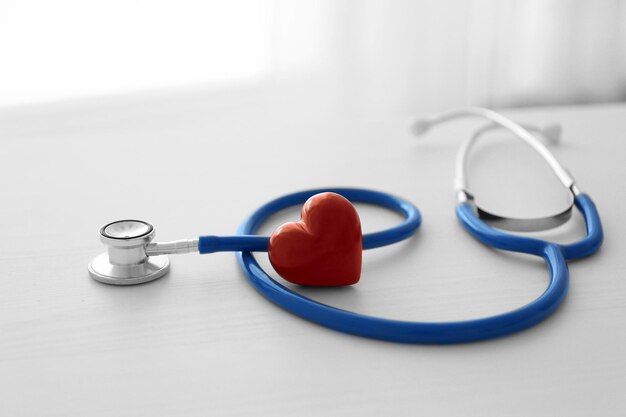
(132, 257)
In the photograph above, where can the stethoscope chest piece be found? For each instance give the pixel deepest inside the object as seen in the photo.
(126, 262)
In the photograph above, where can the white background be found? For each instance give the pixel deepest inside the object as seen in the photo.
(370, 57)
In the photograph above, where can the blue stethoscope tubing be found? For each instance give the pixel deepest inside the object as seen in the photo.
(555, 256)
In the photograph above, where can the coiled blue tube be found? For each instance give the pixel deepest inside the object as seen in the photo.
(500, 240)
(249, 243)
(424, 332)
(593, 240)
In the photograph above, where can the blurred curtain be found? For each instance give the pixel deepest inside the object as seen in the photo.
(367, 56)
(407, 56)
(537, 52)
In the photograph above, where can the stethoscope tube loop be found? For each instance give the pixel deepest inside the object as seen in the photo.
(424, 332)
(253, 243)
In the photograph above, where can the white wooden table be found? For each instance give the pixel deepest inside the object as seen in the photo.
(202, 342)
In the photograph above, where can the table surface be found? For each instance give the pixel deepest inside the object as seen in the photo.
(201, 341)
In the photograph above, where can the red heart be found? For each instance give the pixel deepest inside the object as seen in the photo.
(322, 249)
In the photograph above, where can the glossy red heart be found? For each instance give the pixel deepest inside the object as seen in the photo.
(324, 248)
